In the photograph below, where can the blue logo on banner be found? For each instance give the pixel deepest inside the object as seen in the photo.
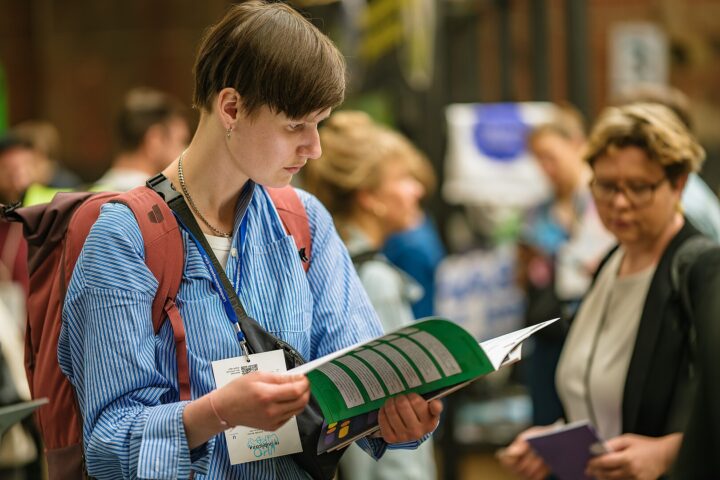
(499, 132)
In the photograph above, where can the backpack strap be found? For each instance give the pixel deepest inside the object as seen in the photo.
(359, 259)
(165, 257)
(682, 262)
(295, 220)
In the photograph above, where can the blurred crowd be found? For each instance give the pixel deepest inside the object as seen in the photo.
(609, 252)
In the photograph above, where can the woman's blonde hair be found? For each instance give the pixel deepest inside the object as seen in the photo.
(355, 149)
(653, 128)
(566, 122)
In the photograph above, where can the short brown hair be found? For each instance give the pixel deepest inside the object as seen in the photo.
(355, 149)
(42, 135)
(653, 128)
(272, 56)
(144, 107)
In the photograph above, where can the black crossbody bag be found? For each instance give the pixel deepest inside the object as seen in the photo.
(310, 421)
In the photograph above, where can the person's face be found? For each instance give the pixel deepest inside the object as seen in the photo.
(16, 173)
(628, 175)
(270, 147)
(396, 200)
(559, 158)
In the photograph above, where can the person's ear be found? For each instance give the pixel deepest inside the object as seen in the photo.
(370, 203)
(679, 184)
(228, 106)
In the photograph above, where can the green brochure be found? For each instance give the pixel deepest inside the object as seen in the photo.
(433, 355)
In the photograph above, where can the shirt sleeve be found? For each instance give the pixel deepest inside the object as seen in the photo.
(132, 419)
(342, 312)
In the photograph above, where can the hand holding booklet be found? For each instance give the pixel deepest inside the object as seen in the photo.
(432, 357)
(568, 449)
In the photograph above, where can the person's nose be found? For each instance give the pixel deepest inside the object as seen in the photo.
(418, 190)
(620, 199)
(311, 147)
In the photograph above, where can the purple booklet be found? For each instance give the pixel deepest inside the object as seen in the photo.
(568, 449)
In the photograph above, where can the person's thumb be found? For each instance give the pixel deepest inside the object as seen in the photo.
(436, 407)
(619, 443)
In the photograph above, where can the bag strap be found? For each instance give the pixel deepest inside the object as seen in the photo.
(258, 339)
(359, 259)
(295, 220)
(165, 257)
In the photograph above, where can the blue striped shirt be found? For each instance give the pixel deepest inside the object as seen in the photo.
(125, 376)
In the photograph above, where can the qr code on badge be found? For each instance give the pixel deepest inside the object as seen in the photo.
(245, 369)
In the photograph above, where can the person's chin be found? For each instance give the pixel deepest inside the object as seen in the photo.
(279, 181)
(625, 237)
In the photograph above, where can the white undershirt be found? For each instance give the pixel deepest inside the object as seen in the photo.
(221, 247)
(611, 312)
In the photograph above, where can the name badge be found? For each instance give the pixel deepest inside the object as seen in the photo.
(247, 444)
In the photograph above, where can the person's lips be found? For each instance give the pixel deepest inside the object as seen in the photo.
(295, 169)
(620, 224)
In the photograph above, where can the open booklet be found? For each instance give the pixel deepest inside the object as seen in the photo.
(432, 357)
(11, 414)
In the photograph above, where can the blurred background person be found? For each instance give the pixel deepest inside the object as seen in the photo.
(700, 204)
(17, 162)
(419, 250)
(152, 131)
(45, 140)
(18, 451)
(625, 365)
(367, 179)
(560, 245)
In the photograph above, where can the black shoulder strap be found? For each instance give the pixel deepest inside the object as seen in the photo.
(258, 339)
(602, 264)
(360, 258)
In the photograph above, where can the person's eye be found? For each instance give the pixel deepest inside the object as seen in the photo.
(296, 126)
(639, 187)
(606, 186)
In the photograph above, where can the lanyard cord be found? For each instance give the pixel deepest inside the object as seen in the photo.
(233, 307)
(252, 336)
(588, 366)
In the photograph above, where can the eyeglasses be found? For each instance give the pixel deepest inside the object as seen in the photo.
(638, 194)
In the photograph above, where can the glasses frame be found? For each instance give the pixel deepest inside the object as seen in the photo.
(624, 189)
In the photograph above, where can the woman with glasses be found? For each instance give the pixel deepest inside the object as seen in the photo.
(625, 365)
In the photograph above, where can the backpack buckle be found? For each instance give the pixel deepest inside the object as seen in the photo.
(8, 210)
(160, 184)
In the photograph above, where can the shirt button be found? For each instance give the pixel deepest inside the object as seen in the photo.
(233, 252)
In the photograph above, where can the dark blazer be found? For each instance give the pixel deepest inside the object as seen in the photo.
(700, 453)
(659, 387)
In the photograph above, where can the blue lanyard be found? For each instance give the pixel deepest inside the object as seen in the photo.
(215, 276)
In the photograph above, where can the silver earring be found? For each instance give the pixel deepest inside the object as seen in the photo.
(228, 131)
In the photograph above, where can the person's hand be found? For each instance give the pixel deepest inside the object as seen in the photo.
(636, 457)
(519, 457)
(406, 418)
(262, 400)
